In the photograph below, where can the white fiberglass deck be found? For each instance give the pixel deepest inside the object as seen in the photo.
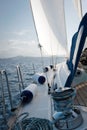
(41, 106)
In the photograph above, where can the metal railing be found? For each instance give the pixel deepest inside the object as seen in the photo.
(20, 79)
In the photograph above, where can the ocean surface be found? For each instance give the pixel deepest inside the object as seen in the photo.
(28, 65)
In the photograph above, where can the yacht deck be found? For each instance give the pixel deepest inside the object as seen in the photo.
(40, 106)
(81, 96)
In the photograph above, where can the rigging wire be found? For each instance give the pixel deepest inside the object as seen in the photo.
(39, 45)
(42, 61)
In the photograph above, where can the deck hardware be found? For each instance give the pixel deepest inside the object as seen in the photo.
(66, 116)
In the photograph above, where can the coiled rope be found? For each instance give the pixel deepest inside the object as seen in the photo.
(32, 123)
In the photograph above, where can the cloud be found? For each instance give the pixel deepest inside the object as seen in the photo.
(19, 47)
(21, 43)
(21, 33)
(17, 42)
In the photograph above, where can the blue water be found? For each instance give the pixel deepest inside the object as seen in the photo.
(27, 65)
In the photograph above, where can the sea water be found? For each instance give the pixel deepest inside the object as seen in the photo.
(28, 66)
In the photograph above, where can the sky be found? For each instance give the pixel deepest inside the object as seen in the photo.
(17, 33)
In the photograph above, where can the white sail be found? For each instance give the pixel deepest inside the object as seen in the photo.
(50, 25)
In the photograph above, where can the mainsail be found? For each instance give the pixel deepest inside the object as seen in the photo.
(49, 19)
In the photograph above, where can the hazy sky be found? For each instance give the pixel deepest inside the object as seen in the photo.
(17, 35)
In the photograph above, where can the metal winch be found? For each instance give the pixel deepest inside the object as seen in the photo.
(66, 116)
